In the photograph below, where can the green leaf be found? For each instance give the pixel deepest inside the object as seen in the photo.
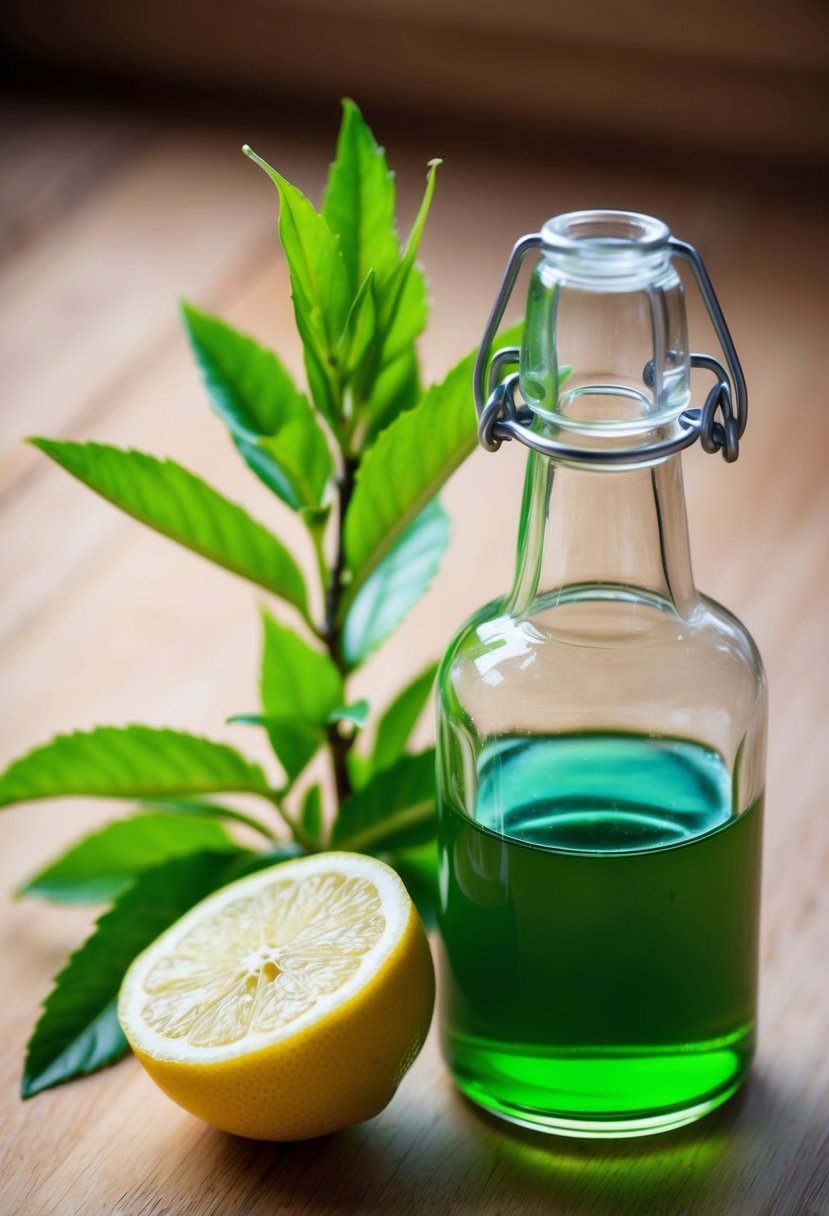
(300, 454)
(299, 687)
(101, 865)
(393, 293)
(268, 471)
(270, 421)
(395, 584)
(360, 328)
(128, 762)
(358, 203)
(250, 389)
(395, 389)
(319, 278)
(409, 318)
(311, 814)
(407, 465)
(359, 206)
(356, 713)
(178, 504)
(397, 723)
(208, 810)
(294, 742)
(359, 769)
(389, 382)
(405, 468)
(78, 1031)
(321, 372)
(394, 810)
(419, 870)
(263, 861)
(413, 242)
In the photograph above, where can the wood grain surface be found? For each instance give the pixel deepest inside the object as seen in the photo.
(104, 221)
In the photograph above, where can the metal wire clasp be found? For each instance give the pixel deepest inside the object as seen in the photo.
(719, 423)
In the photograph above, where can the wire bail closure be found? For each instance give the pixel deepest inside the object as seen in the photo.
(719, 423)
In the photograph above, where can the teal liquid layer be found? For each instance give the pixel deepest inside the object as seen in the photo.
(599, 922)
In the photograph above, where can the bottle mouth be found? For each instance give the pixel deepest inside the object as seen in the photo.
(600, 233)
(607, 249)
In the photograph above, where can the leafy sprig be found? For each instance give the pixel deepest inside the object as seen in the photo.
(359, 456)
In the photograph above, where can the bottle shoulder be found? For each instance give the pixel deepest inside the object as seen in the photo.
(721, 628)
(601, 658)
(623, 624)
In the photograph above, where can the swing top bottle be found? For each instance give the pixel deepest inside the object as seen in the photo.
(601, 730)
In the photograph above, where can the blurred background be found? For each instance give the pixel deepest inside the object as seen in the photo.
(122, 189)
(743, 79)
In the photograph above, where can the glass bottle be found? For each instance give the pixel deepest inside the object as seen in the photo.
(601, 730)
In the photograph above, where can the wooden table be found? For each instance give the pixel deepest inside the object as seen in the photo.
(106, 219)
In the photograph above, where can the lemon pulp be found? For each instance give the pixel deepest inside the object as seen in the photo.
(261, 961)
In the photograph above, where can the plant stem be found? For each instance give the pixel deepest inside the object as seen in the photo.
(319, 553)
(338, 743)
(294, 826)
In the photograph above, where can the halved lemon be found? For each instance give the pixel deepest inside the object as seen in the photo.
(288, 1004)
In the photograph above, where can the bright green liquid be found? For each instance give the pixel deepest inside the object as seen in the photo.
(599, 925)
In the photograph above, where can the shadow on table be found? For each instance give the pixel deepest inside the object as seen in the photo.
(463, 1161)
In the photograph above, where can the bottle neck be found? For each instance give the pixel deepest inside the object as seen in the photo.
(603, 535)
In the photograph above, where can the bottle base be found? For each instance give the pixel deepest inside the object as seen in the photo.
(601, 1093)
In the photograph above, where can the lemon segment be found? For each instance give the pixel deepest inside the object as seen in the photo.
(288, 1004)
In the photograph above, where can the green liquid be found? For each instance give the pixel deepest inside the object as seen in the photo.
(599, 921)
